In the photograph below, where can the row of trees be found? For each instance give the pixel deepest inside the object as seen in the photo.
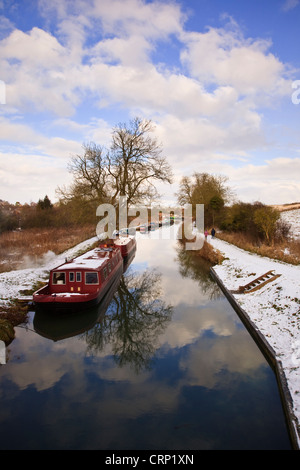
(261, 223)
(132, 167)
(40, 214)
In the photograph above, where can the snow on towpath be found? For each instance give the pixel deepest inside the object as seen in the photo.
(274, 308)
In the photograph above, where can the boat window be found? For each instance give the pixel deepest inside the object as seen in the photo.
(109, 267)
(91, 278)
(59, 277)
(71, 277)
(78, 277)
(105, 273)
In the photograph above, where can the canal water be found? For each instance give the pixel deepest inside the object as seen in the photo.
(163, 364)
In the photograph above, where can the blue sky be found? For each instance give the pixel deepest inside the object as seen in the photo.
(215, 76)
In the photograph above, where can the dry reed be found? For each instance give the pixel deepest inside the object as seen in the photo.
(211, 254)
(287, 251)
(18, 248)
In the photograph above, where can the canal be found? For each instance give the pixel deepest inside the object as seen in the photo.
(163, 364)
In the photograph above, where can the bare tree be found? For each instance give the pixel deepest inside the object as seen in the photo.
(203, 188)
(90, 175)
(266, 219)
(130, 168)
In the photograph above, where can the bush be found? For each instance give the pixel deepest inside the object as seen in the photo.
(240, 218)
(266, 218)
(7, 332)
(260, 223)
(211, 254)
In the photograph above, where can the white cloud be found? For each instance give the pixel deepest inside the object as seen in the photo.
(271, 181)
(56, 76)
(21, 134)
(132, 51)
(37, 64)
(38, 72)
(32, 164)
(290, 5)
(27, 177)
(5, 26)
(153, 20)
(20, 46)
(197, 141)
(223, 57)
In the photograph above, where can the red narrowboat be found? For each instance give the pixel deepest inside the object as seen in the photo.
(83, 280)
(127, 245)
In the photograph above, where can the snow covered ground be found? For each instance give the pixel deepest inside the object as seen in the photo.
(292, 217)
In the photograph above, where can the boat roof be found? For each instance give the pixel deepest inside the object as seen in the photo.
(123, 240)
(92, 259)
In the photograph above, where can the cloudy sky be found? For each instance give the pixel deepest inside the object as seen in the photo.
(215, 76)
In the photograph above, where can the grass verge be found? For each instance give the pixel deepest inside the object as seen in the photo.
(211, 254)
(287, 251)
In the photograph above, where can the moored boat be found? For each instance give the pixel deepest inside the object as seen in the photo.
(83, 280)
(127, 245)
(59, 327)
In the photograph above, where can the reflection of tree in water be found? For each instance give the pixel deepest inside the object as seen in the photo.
(193, 266)
(133, 321)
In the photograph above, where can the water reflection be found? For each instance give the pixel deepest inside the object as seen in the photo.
(130, 318)
(195, 267)
(134, 320)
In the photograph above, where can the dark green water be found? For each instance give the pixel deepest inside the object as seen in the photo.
(167, 366)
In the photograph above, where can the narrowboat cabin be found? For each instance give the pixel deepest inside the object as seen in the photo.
(83, 280)
(59, 327)
(127, 245)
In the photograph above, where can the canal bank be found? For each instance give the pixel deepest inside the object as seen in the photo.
(271, 314)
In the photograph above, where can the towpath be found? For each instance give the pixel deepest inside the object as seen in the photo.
(273, 313)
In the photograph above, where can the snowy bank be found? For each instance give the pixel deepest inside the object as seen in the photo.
(292, 217)
(274, 310)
